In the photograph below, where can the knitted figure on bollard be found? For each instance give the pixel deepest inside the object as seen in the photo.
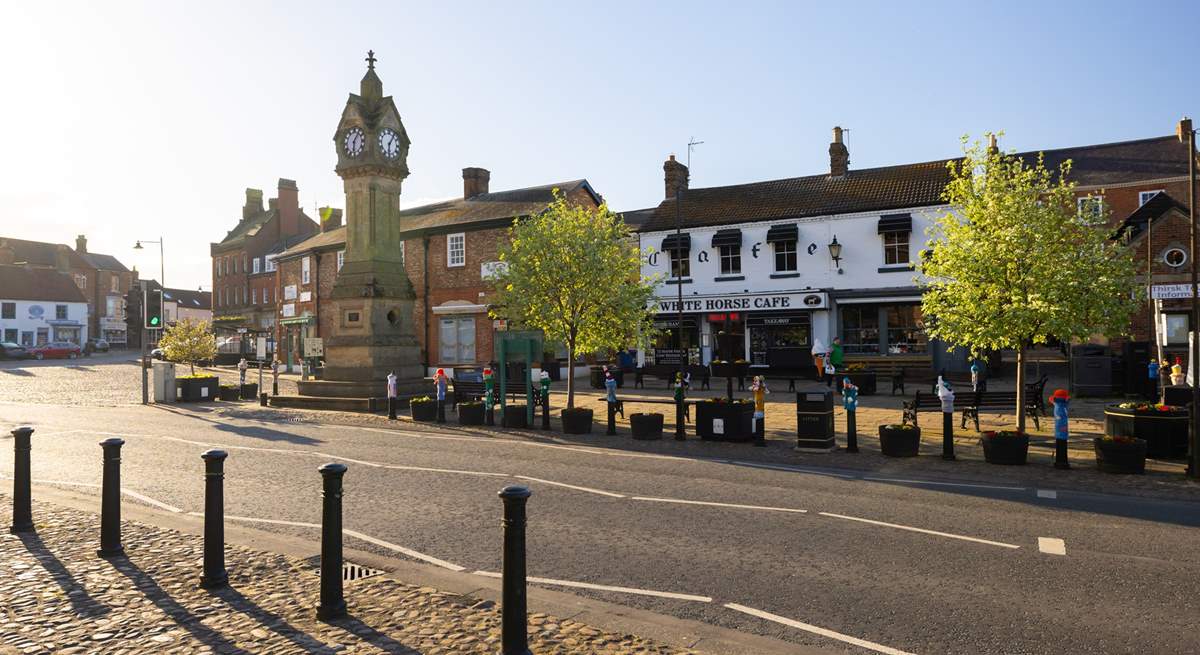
(545, 380)
(758, 387)
(275, 376)
(489, 398)
(1152, 370)
(679, 400)
(439, 384)
(850, 404)
(1060, 399)
(242, 371)
(391, 394)
(975, 369)
(946, 395)
(610, 387)
(1177, 376)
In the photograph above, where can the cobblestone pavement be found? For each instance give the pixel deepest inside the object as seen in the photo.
(60, 597)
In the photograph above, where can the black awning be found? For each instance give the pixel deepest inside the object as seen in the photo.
(677, 242)
(787, 232)
(895, 223)
(727, 238)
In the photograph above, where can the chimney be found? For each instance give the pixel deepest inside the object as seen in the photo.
(839, 156)
(475, 181)
(253, 203)
(288, 204)
(993, 147)
(7, 254)
(62, 258)
(675, 176)
(81, 244)
(331, 218)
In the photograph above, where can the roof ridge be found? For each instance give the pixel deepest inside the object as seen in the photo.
(814, 176)
(1096, 145)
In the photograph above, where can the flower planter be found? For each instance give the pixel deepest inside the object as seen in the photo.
(229, 392)
(1114, 456)
(725, 421)
(191, 390)
(646, 426)
(514, 417)
(423, 410)
(577, 421)
(470, 414)
(895, 441)
(1164, 431)
(250, 391)
(1005, 449)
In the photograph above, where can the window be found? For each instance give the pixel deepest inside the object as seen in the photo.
(456, 339)
(1175, 257)
(218, 267)
(10, 335)
(245, 293)
(895, 247)
(81, 281)
(8, 310)
(785, 256)
(305, 274)
(681, 264)
(257, 261)
(254, 295)
(341, 257)
(401, 252)
(1176, 328)
(860, 329)
(1145, 196)
(456, 250)
(1090, 208)
(115, 284)
(60, 312)
(115, 306)
(731, 260)
(245, 264)
(269, 265)
(905, 330)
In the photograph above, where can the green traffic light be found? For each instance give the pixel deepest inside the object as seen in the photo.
(154, 321)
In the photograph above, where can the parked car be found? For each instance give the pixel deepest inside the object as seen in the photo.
(10, 350)
(158, 353)
(57, 350)
(96, 345)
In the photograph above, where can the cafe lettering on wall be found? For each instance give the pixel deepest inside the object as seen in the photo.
(746, 303)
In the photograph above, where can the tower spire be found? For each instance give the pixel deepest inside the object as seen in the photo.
(370, 60)
(371, 86)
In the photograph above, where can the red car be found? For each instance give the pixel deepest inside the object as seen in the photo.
(56, 350)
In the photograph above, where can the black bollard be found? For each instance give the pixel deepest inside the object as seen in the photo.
(214, 574)
(489, 413)
(514, 622)
(1060, 454)
(851, 432)
(760, 431)
(22, 519)
(679, 425)
(948, 436)
(392, 407)
(262, 398)
(441, 410)
(333, 604)
(612, 418)
(546, 410)
(110, 502)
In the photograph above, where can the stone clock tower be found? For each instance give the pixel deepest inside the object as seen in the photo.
(372, 300)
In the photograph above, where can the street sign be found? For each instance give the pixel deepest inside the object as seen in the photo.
(1169, 291)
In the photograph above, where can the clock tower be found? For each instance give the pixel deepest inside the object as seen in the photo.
(372, 299)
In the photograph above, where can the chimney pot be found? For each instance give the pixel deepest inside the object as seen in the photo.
(331, 218)
(81, 244)
(253, 203)
(475, 181)
(675, 177)
(839, 156)
(7, 254)
(993, 146)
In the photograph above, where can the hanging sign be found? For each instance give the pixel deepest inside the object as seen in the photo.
(1170, 291)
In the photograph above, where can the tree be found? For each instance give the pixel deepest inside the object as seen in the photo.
(189, 342)
(574, 272)
(1014, 263)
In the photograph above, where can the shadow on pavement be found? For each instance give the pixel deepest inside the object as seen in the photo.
(253, 432)
(83, 604)
(271, 621)
(16, 371)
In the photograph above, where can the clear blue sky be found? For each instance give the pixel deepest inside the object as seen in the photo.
(126, 121)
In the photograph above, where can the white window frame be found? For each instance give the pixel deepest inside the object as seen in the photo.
(269, 264)
(254, 296)
(1090, 208)
(218, 267)
(1145, 196)
(729, 260)
(460, 237)
(904, 242)
(305, 271)
(256, 265)
(401, 252)
(341, 258)
(459, 356)
(795, 247)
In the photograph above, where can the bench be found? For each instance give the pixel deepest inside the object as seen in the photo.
(667, 372)
(687, 413)
(970, 402)
(469, 391)
(908, 374)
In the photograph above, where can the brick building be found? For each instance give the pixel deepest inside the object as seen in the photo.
(449, 248)
(244, 298)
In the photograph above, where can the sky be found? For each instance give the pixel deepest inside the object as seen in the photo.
(126, 120)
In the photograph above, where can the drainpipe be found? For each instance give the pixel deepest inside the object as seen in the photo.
(425, 298)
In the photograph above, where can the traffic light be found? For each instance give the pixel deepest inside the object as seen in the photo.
(154, 306)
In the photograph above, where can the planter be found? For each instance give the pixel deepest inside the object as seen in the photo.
(577, 421)
(646, 426)
(1010, 450)
(899, 442)
(724, 421)
(864, 380)
(191, 390)
(423, 410)
(470, 414)
(230, 392)
(514, 417)
(250, 391)
(729, 369)
(1165, 432)
(1120, 456)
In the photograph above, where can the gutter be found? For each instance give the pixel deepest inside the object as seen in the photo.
(425, 297)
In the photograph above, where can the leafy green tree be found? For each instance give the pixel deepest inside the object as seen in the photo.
(574, 272)
(1014, 263)
(189, 342)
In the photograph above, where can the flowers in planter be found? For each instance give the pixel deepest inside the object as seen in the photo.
(420, 399)
(899, 426)
(855, 366)
(1147, 407)
(195, 376)
(1119, 439)
(726, 401)
(1004, 434)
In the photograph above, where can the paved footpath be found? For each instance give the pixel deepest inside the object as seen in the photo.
(60, 597)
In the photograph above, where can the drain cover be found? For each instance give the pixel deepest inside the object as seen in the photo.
(351, 571)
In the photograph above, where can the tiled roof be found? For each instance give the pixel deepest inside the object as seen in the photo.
(1152, 210)
(870, 189)
(185, 298)
(104, 262)
(1125, 161)
(498, 205)
(40, 253)
(334, 238)
(30, 283)
(248, 227)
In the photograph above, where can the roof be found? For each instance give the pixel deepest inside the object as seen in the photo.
(43, 254)
(1151, 210)
(335, 238)
(869, 189)
(636, 218)
(183, 298)
(104, 262)
(1123, 161)
(30, 283)
(249, 226)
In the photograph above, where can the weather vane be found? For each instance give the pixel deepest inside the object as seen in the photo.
(370, 60)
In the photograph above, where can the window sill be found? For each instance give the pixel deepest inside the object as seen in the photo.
(897, 268)
(729, 278)
(456, 265)
(780, 276)
(686, 280)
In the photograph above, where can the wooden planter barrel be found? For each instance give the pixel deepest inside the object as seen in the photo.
(424, 410)
(1165, 432)
(1120, 457)
(897, 442)
(646, 427)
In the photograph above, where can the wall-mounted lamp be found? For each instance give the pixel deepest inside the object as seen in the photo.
(835, 250)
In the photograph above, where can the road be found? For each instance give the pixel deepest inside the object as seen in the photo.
(818, 556)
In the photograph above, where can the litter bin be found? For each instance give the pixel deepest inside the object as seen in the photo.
(814, 421)
(164, 382)
(1091, 366)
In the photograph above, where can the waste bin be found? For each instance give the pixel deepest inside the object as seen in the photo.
(1091, 370)
(814, 421)
(164, 382)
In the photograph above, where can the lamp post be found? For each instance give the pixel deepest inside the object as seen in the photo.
(1187, 135)
(835, 251)
(162, 264)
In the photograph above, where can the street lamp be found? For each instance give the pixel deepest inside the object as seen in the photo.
(1187, 135)
(162, 275)
(835, 250)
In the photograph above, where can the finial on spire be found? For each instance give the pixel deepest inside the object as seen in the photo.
(370, 60)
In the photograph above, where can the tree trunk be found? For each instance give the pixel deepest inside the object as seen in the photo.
(1021, 387)
(571, 375)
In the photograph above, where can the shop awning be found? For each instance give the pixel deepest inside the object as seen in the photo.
(783, 233)
(895, 223)
(677, 242)
(727, 238)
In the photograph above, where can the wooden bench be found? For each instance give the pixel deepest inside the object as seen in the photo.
(908, 374)
(687, 414)
(667, 372)
(970, 403)
(470, 391)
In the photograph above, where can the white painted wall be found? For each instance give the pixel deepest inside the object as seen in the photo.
(34, 314)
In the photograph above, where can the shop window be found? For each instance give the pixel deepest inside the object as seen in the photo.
(681, 265)
(860, 329)
(456, 340)
(10, 335)
(785, 256)
(305, 271)
(1176, 328)
(456, 250)
(8, 310)
(895, 247)
(905, 330)
(731, 260)
(60, 312)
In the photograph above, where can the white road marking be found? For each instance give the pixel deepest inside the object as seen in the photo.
(1047, 493)
(128, 492)
(601, 587)
(401, 549)
(515, 442)
(437, 470)
(793, 469)
(824, 632)
(1052, 546)
(946, 484)
(251, 519)
(570, 486)
(713, 504)
(921, 530)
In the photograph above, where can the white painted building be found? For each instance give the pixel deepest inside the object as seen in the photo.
(39, 305)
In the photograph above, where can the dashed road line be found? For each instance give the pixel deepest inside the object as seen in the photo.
(570, 486)
(824, 632)
(948, 535)
(791, 469)
(601, 587)
(715, 504)
(1052, 546)
(1047, 493)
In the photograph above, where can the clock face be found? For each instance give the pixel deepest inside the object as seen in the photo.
(354, 142)
(389, 143)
